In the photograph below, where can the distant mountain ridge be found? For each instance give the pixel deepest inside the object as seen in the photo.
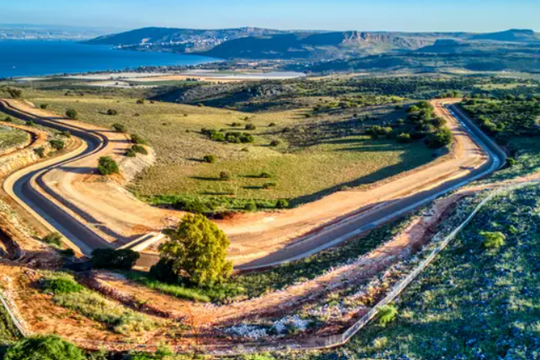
(259, 43)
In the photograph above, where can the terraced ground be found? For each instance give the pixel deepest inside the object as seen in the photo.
(303, 166)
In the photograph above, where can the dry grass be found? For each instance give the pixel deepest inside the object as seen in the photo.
(10, 137)
(302, 172)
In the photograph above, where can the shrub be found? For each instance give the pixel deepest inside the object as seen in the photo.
(139, 149)
(442, 137)
(107, 166)
(130, 153)
(30, 123)
(15, 93)
(387, 314)
(239, 138)
(194, 206)
(112, 112)
(40, 151)
(250, 206)
(57, 144)
(140, 101)
(224, 176)
(164, 271)
(8, 119)
(282, 204)
(275, 143)
(210, 159)
(493, 240)
(265, 175)
(71, 113)
(119, 127)
(43, 106)
(53, 239)
(272, 124)
(198, 251)
(404, 138)
(44, 348)
(136, 139)
(269, 185)
(250, 127)
(60, 285)
(65, 134)
(123, 259)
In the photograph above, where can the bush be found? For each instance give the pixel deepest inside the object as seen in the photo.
(194, 206)
(269, 185)
(250, 206)
(53, 239)
(123, 259)
(493, 240)
(107, 166)
(387, 314)
(265, 175)
(442, 137)
(40, 151)
(140, 101)
(275, 143)
(71, 113)
(15, 93)
(8, 119)
(404, 138)
(198, 252)
(60, 285)
(136, 139)
(43, 106)
(139, 149)
(224, 176)
(130, 153)
(119, 127)
(65, 134)
(210, 159)
(164, 271)
(112, 112)
(250, 127)
(44, 348)
(57, 144)
(282, 204)
(30, 123)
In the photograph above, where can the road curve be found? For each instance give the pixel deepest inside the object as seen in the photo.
(355, 225)
(86, 240)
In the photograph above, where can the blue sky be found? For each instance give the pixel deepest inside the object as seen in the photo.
(406, 15)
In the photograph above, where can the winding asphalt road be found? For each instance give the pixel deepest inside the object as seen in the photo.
(86, 240)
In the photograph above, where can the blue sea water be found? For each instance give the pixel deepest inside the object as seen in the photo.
(35, 58)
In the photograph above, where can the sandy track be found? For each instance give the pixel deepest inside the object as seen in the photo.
(110, 211)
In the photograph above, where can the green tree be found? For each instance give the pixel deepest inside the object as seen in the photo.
(493, 240)
(71, 113)
(107, 166)
(197, 250)
(122, 259)
(44, 348)
(387, 314)
(441, 138)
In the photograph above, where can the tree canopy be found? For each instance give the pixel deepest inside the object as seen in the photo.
(197, 252)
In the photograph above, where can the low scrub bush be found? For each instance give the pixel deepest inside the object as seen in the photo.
(210, 159)
(404, 138)
(136, 139)
(40, 347)
(60, 283)
(53, 239)
(112, 112)
(71, 113)
(107, 166)
(269, 185)
(493, 240)
(119, 127)
(43, 106)
(139, 149)
(194, 206)
(387, 314)
(40, 151)
(282, 204)
(251, 206)
(57, 144)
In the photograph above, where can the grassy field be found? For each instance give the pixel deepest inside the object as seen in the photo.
(10, 137)
(300, 170)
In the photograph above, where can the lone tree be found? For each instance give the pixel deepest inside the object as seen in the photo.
(71, 113)
(107, 166)
(44, 348)
(197, 251)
